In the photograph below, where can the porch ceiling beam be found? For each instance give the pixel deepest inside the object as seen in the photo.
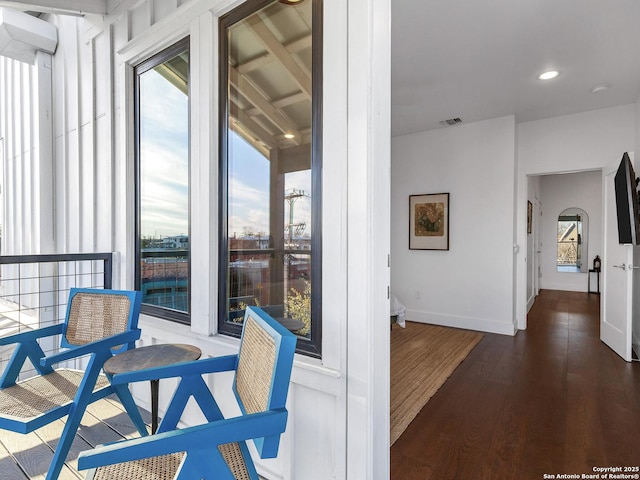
(66, 7)
(291, 47)
(257, 99)
(280, 53)
(284, 102)
(294, 159)
(258, 133)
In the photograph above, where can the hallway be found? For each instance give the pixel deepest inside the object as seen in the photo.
(551, 400)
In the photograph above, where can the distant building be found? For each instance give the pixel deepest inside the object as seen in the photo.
(175, 242)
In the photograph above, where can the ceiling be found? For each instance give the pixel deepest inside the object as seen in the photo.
(480, 59)
(476, 60)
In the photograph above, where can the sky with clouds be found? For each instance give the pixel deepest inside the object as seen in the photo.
(165, 170)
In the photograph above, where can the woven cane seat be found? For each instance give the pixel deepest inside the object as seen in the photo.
(165, 467)
(37, 395)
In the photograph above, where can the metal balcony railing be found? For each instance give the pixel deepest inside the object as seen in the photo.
(34, 290)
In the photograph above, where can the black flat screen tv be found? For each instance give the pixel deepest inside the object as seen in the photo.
(627, 202)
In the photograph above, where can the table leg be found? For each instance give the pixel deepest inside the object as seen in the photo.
(155, 384)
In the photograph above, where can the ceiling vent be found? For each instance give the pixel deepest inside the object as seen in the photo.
(451, 121)
(22, 35)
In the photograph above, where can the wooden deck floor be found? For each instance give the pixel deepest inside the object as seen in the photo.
(28, 456)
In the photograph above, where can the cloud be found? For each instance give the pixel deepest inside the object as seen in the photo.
(164, 163)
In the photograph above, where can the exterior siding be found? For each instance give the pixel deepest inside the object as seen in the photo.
(25, 126)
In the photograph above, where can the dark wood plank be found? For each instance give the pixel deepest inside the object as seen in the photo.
(9, 467)
(28, 456)
(553, 399)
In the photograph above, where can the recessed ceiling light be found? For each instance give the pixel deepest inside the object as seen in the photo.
(289, 135)
(548, 75)
(600, 88)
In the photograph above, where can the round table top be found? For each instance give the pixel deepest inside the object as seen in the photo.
(291, 324)
(151, 356)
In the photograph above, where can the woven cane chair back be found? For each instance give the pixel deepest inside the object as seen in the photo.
(94, 316)
(256, 365)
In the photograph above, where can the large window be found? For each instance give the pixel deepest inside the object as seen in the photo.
(162, 182)
(270, 166)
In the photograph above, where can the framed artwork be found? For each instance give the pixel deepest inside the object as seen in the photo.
(529, 216)
(429, 221)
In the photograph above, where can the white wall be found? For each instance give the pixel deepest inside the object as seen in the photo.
(571, 143)
(533, 240)
(558, 193)
(470, 285)
(25, 126)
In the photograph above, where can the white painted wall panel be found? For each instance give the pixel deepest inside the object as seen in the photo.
(469, 285)
(73, 193)
(140, 18)
(103, 80)
(87, 189)
(163, 8)
(86, 82)
(25, 126)
(104, 185)
(533, 185)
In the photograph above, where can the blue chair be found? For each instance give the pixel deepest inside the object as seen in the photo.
(216, 449)
(98, 324)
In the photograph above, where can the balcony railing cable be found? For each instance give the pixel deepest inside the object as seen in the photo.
(34, 290)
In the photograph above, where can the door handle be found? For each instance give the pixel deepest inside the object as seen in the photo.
(627, 267)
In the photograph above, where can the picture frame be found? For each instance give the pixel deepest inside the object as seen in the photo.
(529, 216)
(429, 221)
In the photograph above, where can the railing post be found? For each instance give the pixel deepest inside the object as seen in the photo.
(108, 271)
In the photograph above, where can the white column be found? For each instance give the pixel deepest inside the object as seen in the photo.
(368, 239)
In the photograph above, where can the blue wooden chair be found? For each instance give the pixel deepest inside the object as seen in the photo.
(98, 324)
(216, 449)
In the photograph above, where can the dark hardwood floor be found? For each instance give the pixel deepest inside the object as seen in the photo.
(551, 400)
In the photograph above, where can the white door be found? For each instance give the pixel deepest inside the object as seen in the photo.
(617, 277)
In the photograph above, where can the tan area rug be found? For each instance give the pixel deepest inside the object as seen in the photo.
(422, 358)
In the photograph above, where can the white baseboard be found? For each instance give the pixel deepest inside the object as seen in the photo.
(469, 323)
(563, 287)
(635, 343)
(530, 302)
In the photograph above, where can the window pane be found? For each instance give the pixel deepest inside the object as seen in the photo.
(163, 187)
(269, 166)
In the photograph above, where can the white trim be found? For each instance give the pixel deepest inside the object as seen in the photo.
(530, 302)
(172, 28)
(457, 321)
(368, 242)
(565, 287)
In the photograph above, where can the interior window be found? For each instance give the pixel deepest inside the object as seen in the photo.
(573, 227)
(162, 182)
(270, 166)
